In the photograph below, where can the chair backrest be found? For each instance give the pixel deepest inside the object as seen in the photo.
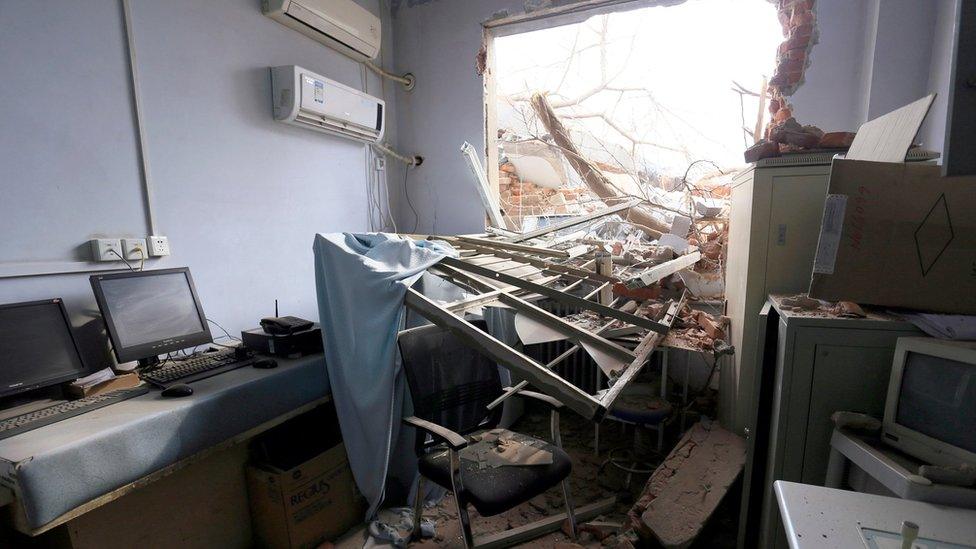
(450, 383)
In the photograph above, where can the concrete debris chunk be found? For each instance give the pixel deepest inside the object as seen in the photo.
(762, 149)
(803, 303)
(686, 488)
(962, 475)
(501, 447)
(790, 132)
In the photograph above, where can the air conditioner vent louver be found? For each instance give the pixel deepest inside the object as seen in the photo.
(340, 24)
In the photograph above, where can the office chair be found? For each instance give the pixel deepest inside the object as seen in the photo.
(451, 385)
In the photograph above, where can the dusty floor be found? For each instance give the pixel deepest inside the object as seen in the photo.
(588, 485)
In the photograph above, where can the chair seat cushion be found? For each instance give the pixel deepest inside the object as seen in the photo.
(494, 490)
(641, 409)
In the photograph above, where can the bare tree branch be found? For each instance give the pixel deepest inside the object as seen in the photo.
(630, 137)
(591, 175)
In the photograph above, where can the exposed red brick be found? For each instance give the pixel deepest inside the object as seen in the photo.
(836, 140)
(642, 294)
(782, 115)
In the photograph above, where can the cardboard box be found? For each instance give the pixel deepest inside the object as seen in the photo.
(305, 505)
(897, 235)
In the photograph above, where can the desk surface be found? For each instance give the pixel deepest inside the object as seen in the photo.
(61, 466)
(817, 517)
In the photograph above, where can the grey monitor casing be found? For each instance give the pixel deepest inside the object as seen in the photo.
(912, 442)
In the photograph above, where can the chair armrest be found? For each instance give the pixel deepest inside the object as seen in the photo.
(545, 399)
(453, 440)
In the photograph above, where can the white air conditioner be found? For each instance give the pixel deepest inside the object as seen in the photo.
(306, 99)
(341, 24)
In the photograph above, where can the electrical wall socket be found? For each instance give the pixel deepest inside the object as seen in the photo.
(158, 246)
(106, 249)
(134, 249)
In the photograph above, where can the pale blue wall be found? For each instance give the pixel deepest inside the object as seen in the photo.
(239, 195)
(875, 56)
(438, 42)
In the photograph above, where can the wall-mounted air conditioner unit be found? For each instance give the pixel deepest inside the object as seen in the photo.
(341, 24)
(306, 99)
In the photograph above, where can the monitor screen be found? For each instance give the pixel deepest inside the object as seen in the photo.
(37, 347)
(151, 312)
(938, 399)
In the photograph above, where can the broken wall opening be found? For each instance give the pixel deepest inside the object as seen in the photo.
(644, 93)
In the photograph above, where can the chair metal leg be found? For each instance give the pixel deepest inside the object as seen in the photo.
(570, 510)
(596, 439)
(554, 429)
(418, 509)
(567, 498)
(458, 488)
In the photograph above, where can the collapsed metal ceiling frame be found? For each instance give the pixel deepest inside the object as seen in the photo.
(514, 274)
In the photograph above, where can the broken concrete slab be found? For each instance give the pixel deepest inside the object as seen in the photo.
(687, 487)
(680, 225)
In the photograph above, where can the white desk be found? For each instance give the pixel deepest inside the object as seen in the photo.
(818, 517)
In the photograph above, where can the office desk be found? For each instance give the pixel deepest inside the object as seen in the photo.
(815, 517)
(60, 471)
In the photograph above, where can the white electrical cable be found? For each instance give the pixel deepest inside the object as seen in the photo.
(389, 206)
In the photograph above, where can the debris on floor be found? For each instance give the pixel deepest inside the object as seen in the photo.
(688, 486)
(501, 447)
(392, 528)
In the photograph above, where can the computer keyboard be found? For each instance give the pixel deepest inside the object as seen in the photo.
(53, 414)
(194, 369)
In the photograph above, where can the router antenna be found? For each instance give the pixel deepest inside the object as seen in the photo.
(276, 307)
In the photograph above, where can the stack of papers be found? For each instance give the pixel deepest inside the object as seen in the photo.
(94, 379)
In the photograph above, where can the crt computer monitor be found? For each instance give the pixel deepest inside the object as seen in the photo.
(930, 412)
(149, 313)
(37, 347)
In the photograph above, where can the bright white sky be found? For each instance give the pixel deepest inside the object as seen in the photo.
(686, 55)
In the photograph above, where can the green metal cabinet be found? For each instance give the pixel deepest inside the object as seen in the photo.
(814, 365)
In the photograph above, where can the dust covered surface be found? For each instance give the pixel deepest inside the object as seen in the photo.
(588, 485)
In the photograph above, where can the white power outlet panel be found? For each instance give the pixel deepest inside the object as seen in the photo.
(134, 249)
(106, 249)
(158, 246)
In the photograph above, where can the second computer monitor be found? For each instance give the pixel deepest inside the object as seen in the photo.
(37, 347)
(148, 313)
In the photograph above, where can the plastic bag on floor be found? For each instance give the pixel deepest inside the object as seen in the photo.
(393, 526)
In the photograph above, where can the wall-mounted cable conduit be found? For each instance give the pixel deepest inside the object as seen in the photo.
(408, 80)
(415, 160)
(137, 114)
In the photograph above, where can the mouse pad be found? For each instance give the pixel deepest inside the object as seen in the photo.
(881, 539)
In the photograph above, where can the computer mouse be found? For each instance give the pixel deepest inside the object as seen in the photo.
(265, 363)
(176, 391)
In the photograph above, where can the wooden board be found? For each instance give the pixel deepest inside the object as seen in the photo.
(888, 137)
(204, 505)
